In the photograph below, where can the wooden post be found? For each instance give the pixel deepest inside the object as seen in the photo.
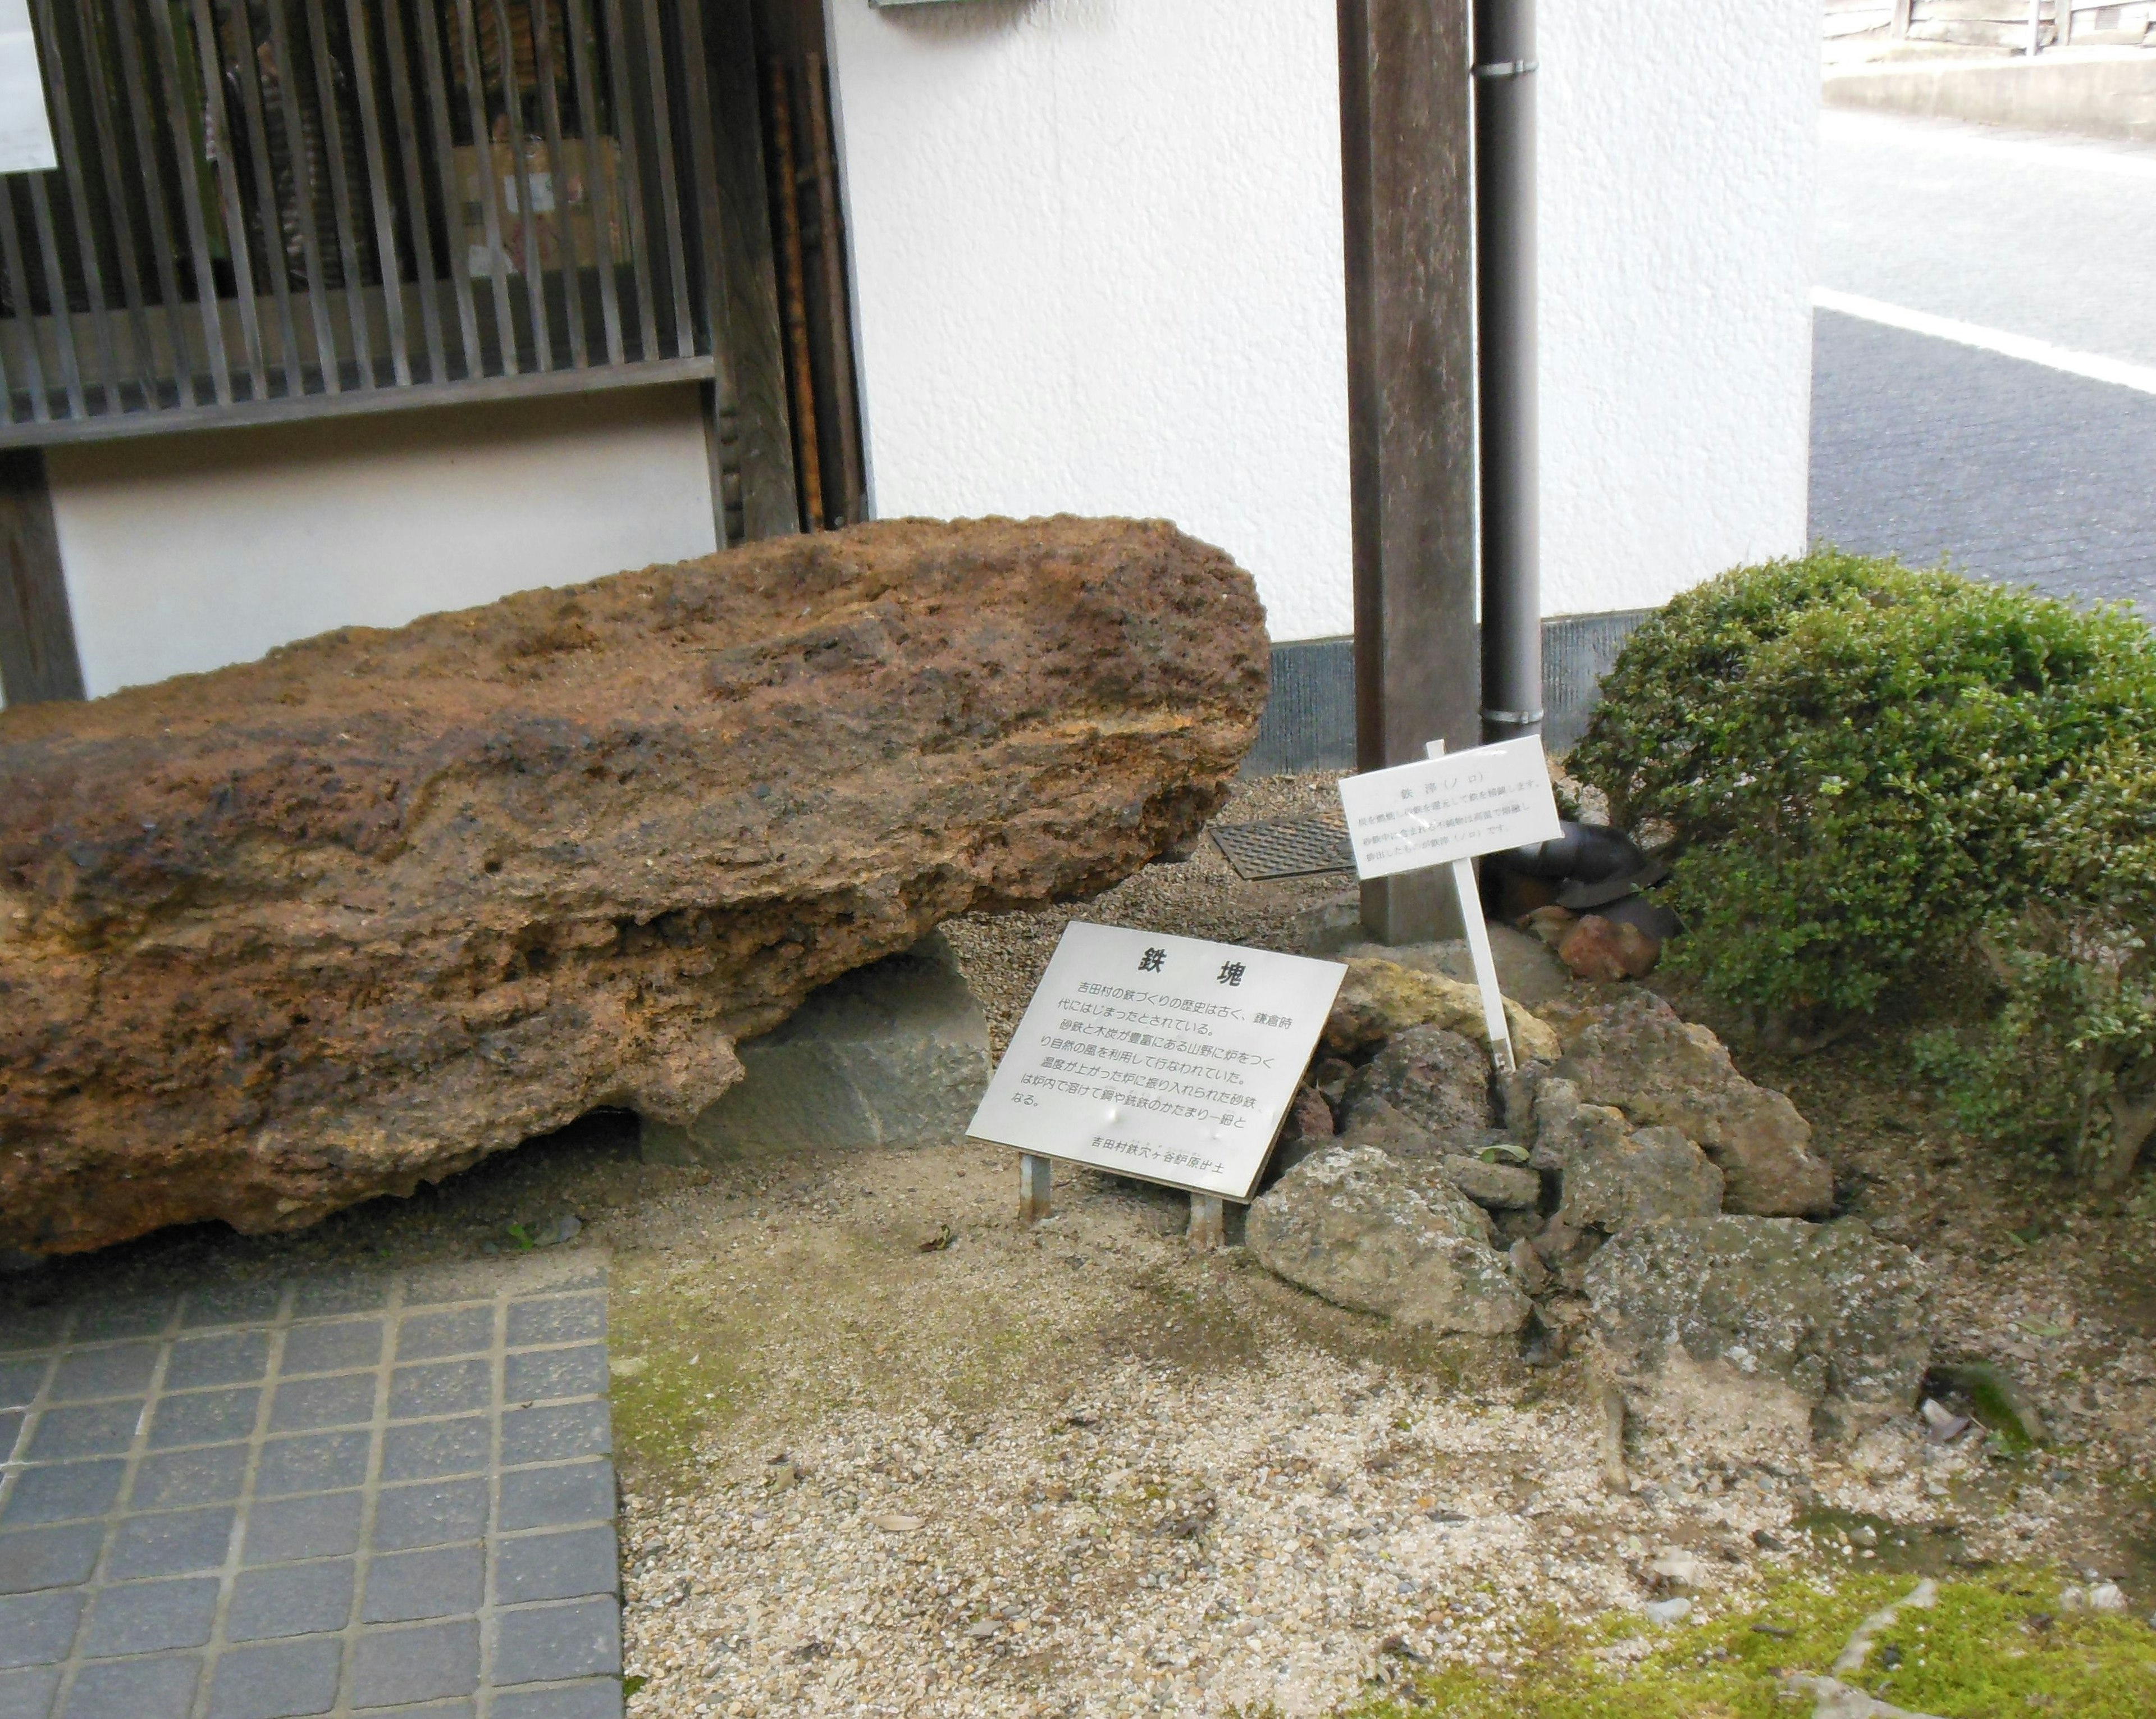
(38, 656)
(1407, 120)
(1208, 1223)
(1900, 25)
(1036, 1178)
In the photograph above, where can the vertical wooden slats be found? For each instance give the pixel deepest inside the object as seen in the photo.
(228, 180)
(696, 99)
(489, 189)
(300, 157)
(565, 226)
(793, 298)
(56, 292)
(386, 262)
(670, 199)
(341, 200)
(415, 191)
(431, 21)
(527, 217)
(19, 294)
(124, 235)
(823, 145)
(632, 182)
(78, 207)
(150, 163)
(185, 153)
(597, 178)
(241, 53)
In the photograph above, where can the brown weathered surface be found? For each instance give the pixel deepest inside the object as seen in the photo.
(279, 937)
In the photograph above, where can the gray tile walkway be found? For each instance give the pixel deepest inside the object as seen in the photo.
(1927, 449)
(388, 1496)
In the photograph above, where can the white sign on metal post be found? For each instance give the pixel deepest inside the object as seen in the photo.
(1445, 811)
(1170, 1059)
(26, 131)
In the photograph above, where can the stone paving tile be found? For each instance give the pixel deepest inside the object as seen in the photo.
(369, 1498)
(1928, 450)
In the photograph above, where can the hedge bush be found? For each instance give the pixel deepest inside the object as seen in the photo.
(1865, 773)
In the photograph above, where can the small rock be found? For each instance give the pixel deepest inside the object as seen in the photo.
(1435, 1078)
(1999, 1402)
(2105, 1597)
(1550, 924)
(1639, 1178)
(1564, 1128)
(893, 1523)
(1497, 1187)
(1534, 1275)
(1367, 1121)
(1308, 1128)
(630, 1366)
(1941, 1425)
(1605, 951)
(1677, 1569)
(1379, 999)
(1354, 1226)
(1666, 1612)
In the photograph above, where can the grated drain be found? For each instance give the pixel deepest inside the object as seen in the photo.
(1300, 849)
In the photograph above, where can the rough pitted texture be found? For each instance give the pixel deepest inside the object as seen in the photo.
(1380, 998)
(1436, 1079)
(1657, 1069)
(1756, 1333)
(280, 937)
(1613, 1185)
(1356, 1226)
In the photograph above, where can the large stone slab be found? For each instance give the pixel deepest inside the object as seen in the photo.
(283, 937)
(895, 1054)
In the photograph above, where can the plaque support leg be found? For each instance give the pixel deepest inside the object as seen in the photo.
(1034, 1176)
(1208, 1222)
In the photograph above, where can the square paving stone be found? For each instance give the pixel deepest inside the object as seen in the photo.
(556, 1319)
(331, 1349)
(123, 1370)
(557, 1498)
(32, 1328)
(151, 1617)
(229, 1358)
(570, 1565)
(28, 1695)
(281, 1680)
(32, 1558)
(343, 1400)
(442, 1388)
(238, 1305)
(176, 1543)
(39, 1628)
(436, 1514)
(432, 1710)
(454, 1330)
(160, 1688)
(592, 1698)
(300, 1599)
(63, 1492)
(211, 1473)
(19, 1380)
(313, 1462)
(203, 1417)
(427, 1450)
(282, 1530)
(121, 1319)
(424, 1662)
(404, 1586)
(97, 1429)
(541, 1643)
(313, 1298)
(556, 1432)
(534, 1375)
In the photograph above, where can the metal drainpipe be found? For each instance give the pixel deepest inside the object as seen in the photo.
(1511, 440)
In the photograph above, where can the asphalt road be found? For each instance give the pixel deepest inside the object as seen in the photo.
(1936, 449)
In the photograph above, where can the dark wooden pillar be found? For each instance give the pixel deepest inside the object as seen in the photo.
(1407, 121)
(38, 656)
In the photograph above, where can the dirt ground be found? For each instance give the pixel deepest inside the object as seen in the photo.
(884, 1452)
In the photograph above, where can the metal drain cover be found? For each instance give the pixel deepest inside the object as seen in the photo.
(1300, 849)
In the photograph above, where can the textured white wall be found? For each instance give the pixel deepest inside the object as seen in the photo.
(1097, 246)
(187, 553)
(1679, 139)
(1097, 252)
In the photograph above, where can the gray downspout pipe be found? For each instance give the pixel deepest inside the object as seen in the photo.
(1511, 437)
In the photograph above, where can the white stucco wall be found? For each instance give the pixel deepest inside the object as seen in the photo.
(1097, 256)
(187, 553)
(1097, 248)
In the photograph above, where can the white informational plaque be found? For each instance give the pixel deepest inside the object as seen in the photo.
(26, 132)
(1170, 1059)
(1439, 810)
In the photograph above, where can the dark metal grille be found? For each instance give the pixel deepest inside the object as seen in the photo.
(281, 208)
(1298, 849)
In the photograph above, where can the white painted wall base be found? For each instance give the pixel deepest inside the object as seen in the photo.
(187, 553)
